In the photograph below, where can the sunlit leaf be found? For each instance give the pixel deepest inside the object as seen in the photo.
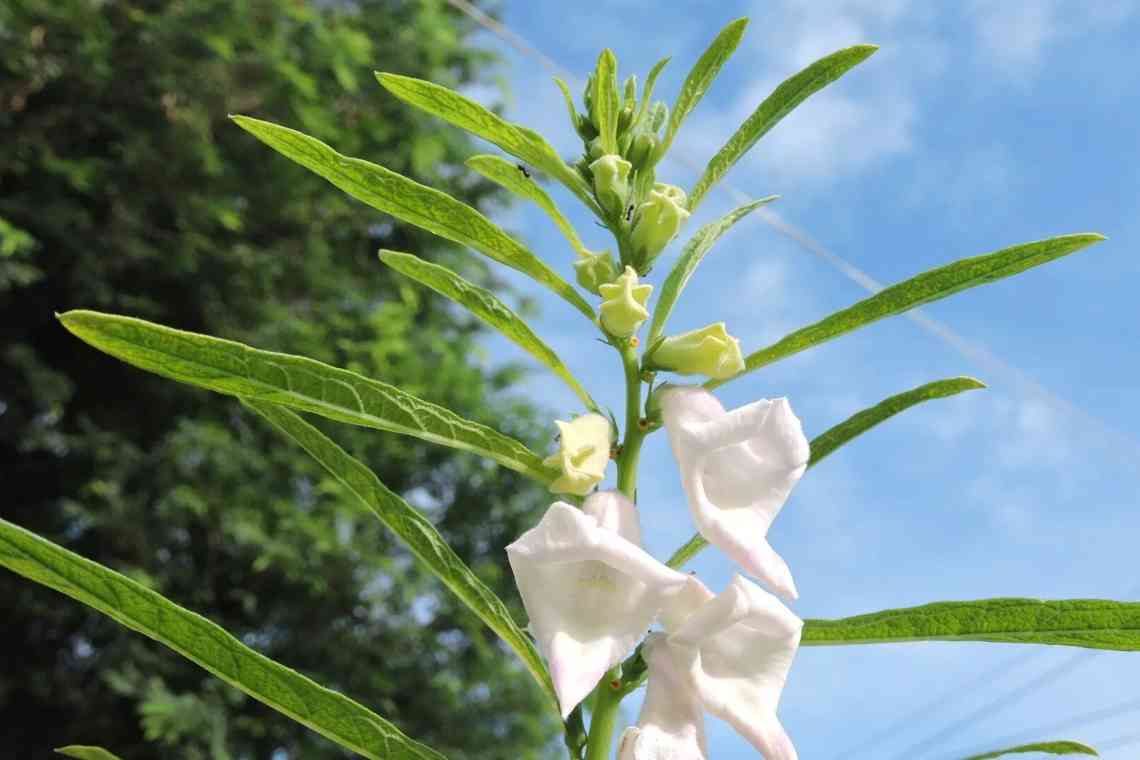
(239, 370)
(416, 531)
(775, 107)
(691, 255)
(483, 304)
(510, 176)
(701, 76)
(1088, 623)
(921, 289)
(465, 113)
(409, 201)
(647, 89)
(327, 712)
(851, 428)
(606, 100)
(1048, 748)
(863, 421)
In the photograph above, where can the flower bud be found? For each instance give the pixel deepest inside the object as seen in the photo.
(658, 220)
(595, 269)
(584, 451)
(594, 149)
(709, 351)
(611, 182)
(585, 128)
(623, 310)
(641, 152)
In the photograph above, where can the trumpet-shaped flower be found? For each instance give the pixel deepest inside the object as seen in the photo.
(737, 469)
(623, 309)
(583, 453)
(708, 351)
(589, 589)
(730, 655)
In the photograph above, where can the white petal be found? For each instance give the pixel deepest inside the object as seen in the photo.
(589, 592)
(738, 469)
(671, 724)
(746, 640)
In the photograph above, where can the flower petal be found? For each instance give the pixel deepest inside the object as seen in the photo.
(671, 725)
(589, 592)
(746, 640)
(738, 469)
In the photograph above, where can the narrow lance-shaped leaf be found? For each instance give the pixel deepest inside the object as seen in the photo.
(780, 103)
(409, 201)
(647, 89)
(606, 101)
(569, 98)
(921, 289)
(327, 712)
(701, 76)
(851, 428)
(85, 752)
(503, 172)
(1047, 748)
(694, 250)
(295, 381)
(465, 113)
(1087, 623)
(483, 304)
(416, 531)
(863, 421)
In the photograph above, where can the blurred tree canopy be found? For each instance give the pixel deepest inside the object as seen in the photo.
(123, 187)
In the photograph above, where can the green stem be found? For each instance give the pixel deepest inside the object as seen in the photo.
(604, 717)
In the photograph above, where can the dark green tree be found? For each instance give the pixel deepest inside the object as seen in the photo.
(123, 187)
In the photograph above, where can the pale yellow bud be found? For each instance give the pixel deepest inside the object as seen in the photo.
(623, 310)
(709, 351)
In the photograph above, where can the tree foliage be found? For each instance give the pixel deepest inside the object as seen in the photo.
(127, 189)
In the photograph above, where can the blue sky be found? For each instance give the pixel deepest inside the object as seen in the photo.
(980, 124)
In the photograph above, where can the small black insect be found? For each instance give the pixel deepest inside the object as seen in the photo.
(629, 213)
(524, 171)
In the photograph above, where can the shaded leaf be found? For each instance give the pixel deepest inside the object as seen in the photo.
(483, 304)
(1088, 623)
(466, 114)
(691, 255)
(409, 201)
(239, 370)
(647, 89)
(1050, 748)
(327, 712)
(701, 76)
(85, 752)
(415, 530)
(921, 289)
(606, 101)
(775, 107)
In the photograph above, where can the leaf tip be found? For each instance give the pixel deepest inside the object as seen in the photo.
(972, 383)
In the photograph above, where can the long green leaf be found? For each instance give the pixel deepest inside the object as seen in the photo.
(775, 107)
(606, 101)
(483, 304)
(239, 370)
(694, 250)
(133, 605)
(1050, 748)
(503, 172)
(921, 289)
(701, 76)
(853, 427)
(863, 421)
(411, 202)
(1088, 623)
(465, 113)
(414, 529)
(84, 752)
(647, 90)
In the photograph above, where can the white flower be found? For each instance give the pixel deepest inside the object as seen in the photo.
(583, 453)
(728, 654)
(737, 469)
(589, 589)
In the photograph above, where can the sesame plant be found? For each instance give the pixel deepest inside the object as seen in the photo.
(591, 592)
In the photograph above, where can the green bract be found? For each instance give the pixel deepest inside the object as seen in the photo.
(623, 139)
